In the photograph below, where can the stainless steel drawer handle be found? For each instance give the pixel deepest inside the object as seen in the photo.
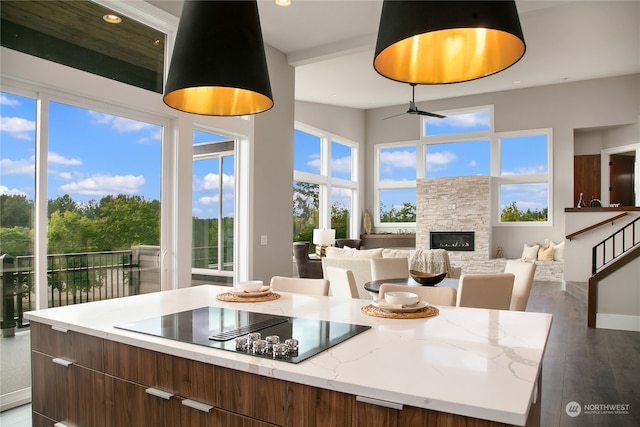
(197, 405)
(159, 393)
(59, 329)
(60, 425)
(378, 402)
(62, 362)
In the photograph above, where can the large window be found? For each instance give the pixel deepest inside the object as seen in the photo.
(524, 177)
(325, 187)
(465, 144)
(396, 185)
(213, 201)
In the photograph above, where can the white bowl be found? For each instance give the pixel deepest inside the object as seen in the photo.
(251, 285)
(404, 298)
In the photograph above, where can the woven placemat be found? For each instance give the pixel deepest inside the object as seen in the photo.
(428, 311)
(229, 297)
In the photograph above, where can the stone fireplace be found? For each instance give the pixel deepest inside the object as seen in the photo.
(457, 206)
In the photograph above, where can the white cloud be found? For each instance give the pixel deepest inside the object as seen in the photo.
(119, 124)
(55, 158)
(473, 164)
(210, 182)
(18, 167)
(12, 192)
(314, 162)
(390, 160)
(341, 165)
(100, 185)
(462, 121)
(208, 200)
(10, 102)
(439, 161)
(65, 175)
(18, 127)
(527, 170)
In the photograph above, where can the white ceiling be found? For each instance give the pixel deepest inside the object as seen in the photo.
(331, 43)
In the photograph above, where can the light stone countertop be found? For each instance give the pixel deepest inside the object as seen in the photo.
(472, 362)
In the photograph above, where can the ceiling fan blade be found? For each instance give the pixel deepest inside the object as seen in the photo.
(396, 115)
(426, 113)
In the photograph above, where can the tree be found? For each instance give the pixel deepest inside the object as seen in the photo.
(61, 204)
(407, 213)
(15, 211)
(511, 213)
(16, 241)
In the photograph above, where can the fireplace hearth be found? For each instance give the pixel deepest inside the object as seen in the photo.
(452, 240)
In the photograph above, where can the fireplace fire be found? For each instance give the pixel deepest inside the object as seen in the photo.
(452, 240)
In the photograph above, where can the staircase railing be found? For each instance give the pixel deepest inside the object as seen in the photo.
(616, 245)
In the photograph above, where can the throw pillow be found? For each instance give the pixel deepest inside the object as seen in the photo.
(333, 252)
(395, 253)
(530, 252)
(558, 252)
(545, 253)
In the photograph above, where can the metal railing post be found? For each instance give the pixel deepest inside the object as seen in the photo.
(8, 292)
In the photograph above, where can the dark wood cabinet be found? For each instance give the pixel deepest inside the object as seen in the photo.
(586, 178)
(106, 383)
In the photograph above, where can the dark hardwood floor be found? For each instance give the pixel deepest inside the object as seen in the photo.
(593, 367)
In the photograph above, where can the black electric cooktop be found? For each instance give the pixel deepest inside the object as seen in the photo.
(218, 327)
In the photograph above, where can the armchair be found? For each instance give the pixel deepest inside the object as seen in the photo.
(307, 268)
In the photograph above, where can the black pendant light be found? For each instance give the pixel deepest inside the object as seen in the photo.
(219, 67)
(436, 42)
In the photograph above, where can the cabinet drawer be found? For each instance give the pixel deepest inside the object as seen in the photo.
(83, 350)
(131, 363)
(252, 395)
(188, 378)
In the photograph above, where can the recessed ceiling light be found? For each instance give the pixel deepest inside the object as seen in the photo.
(112, 19)
(283, 2)
(517, 82)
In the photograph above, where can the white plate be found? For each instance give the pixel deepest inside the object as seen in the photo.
(419, 306)
(242, 293)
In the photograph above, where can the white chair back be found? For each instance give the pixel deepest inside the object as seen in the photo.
(300, 285)
(432, 294)
(491, 291)
(524, 273)
(389, 268)
(342, 282)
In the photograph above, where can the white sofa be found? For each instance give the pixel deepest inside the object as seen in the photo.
(358, 261)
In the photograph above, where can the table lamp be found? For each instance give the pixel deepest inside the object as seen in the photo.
(322, 238)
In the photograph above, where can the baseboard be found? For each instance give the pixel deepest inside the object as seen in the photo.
(15, 399)
(620, 322)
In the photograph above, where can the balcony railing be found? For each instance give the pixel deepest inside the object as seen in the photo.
(75, 278)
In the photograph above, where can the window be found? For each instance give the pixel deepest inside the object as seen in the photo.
(103, 187)
(396, 184)
(524, 176)
(213, 202)
(325, 187)
(464, 144)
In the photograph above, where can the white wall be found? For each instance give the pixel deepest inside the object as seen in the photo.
(618, 305)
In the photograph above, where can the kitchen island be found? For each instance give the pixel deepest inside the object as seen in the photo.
(462, 364)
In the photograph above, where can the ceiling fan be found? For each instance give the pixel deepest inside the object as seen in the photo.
(414, 110)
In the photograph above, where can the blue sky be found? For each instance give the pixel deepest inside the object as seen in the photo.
(91, 154)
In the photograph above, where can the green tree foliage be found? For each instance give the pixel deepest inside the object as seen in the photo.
(306, 203)
(15, 211)
(61, 204)
(407, 213)
(511, 213)
(16, 241)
